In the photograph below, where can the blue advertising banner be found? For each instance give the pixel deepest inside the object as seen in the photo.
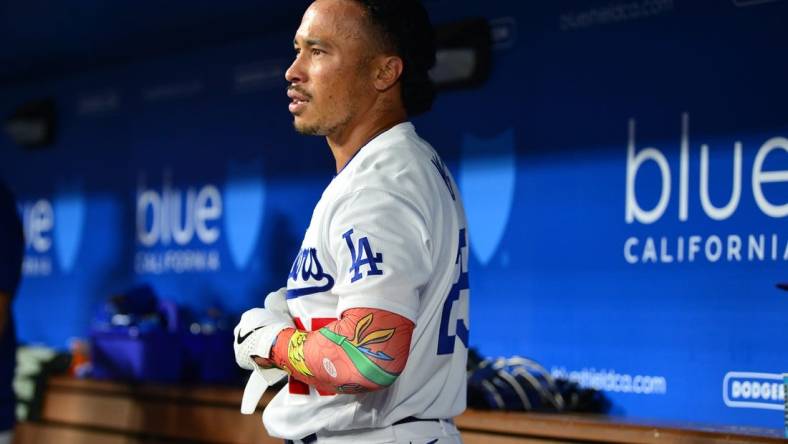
(624, 169)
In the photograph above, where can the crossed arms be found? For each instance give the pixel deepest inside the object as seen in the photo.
(363, 351)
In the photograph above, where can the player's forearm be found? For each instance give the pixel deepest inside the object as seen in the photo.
(364, 351)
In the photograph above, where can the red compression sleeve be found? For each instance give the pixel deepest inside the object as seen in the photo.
(363, 351)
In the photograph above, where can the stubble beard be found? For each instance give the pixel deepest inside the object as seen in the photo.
(318, 128)
(309, 130)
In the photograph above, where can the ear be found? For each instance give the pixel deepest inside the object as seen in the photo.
(388, 71)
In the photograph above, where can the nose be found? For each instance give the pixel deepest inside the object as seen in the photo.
(295, 73)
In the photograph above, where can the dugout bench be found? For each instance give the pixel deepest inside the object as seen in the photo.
(101, 412)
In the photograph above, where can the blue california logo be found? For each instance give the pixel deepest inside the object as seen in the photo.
(487, 179)
(177, 228)
(53, 228)
(674, 199)
(244, 197)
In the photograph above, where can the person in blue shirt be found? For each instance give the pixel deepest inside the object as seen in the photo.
(11, 254)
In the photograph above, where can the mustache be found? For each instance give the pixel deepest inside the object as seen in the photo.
(299, 90)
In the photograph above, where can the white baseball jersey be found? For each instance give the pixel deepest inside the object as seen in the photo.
(389, 232)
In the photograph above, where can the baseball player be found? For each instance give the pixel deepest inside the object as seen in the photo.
(372, 328)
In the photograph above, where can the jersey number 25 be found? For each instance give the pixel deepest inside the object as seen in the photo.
(452, 324)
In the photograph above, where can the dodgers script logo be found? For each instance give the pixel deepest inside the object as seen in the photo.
(244, 196)
(52, 228)
(308, 275)
(487, 179)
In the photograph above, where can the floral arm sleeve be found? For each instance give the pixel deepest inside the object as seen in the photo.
(363, 351)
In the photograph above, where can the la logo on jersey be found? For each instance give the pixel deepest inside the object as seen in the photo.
(362, 257)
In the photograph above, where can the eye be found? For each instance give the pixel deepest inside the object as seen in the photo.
(316, 51)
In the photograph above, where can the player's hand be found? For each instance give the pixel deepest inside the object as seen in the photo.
(263, 363)
(275, 301)
(255, 334)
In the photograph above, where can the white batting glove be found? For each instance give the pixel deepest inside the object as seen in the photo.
(255, 334)
(276, 301)
(258, 383)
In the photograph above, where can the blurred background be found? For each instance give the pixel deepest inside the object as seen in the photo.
(624, 166)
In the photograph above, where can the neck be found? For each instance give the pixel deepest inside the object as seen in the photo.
(345, 143)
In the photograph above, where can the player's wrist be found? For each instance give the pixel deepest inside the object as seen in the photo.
(278, 354)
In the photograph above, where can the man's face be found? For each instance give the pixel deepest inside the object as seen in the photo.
(330, 81)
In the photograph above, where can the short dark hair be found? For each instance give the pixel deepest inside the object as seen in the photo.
(404, 27)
